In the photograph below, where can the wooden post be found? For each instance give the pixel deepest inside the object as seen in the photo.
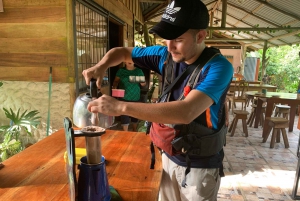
(224, 13)
(211, 23)
(146, 35)
(243, 57)
(263, 69)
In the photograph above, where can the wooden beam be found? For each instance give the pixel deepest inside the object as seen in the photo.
(154, 11)
(146, 35)
(152, 1)
(244, 28)
(221, 44)
(285, 35)
(233, 40)
(254, 28)
(264, 61)
(278, 9)
(251, 35)
(215, 6)
(211, 24)
(224, 13)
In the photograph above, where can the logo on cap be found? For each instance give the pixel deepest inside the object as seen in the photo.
(171, 10)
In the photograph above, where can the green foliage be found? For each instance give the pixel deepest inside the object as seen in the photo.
(283, 67)
(9, 147)
(152, 88)
(11, 133)
(19, 122)
(141, 126)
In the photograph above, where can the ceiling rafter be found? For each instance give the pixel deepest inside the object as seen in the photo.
(254, 36)
(277, 9)
(253, 14)
(246, 16)
(152, 1)
(216, 5)
(150, 14)
(251, 28)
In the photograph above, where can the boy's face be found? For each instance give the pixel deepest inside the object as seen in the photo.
(184, 48)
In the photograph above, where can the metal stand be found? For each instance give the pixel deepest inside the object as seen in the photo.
(296, 182)
(71, 162)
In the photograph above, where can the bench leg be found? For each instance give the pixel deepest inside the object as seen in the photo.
(285, 139)
(233, 126)
(273, 138)
(245, 127)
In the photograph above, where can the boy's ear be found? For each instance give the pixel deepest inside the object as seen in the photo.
(201, 35)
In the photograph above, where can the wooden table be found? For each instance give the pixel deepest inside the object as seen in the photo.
(39, 172)
(283, 98)
(250, 82)
(256, 87)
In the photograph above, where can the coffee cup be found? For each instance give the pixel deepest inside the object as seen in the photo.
(131, 78)
(264, 91)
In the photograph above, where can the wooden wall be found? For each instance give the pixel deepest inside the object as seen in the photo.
(34, 35)
(37, 34)
(126, 10)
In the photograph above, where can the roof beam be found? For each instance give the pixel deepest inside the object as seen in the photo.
(279, 10)
(215, 6)
(267, 21)
(244, 28)
(154, 11)
(224, 13)
(254, 28)
(251, 13)
(152, 1)
(232, 40)
(285, 35)
(246, 16)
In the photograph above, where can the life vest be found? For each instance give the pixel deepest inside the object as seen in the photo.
(196, 138)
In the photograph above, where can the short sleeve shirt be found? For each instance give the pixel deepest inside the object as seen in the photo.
(132, 89)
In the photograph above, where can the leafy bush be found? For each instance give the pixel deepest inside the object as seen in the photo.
(11, 133)
(284, 67)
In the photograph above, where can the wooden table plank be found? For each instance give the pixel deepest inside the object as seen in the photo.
(256, 87)
(39, 172)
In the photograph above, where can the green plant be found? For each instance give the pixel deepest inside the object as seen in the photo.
(155, 83)
(11, 133)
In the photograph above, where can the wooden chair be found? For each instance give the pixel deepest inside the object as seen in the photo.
(277, 124)
(252, 115)
(240, 88)
(283, 110)
(239, 114)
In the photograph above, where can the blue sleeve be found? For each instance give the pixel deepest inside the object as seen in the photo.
(152, 58)
(218, 77)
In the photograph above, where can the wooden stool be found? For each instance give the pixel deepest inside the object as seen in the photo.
(239, 114)
(283, 110)
(278, 124)
(252, 115)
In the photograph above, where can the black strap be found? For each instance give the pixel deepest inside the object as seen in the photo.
(186, 72)
(187, 170)
(152, 155)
